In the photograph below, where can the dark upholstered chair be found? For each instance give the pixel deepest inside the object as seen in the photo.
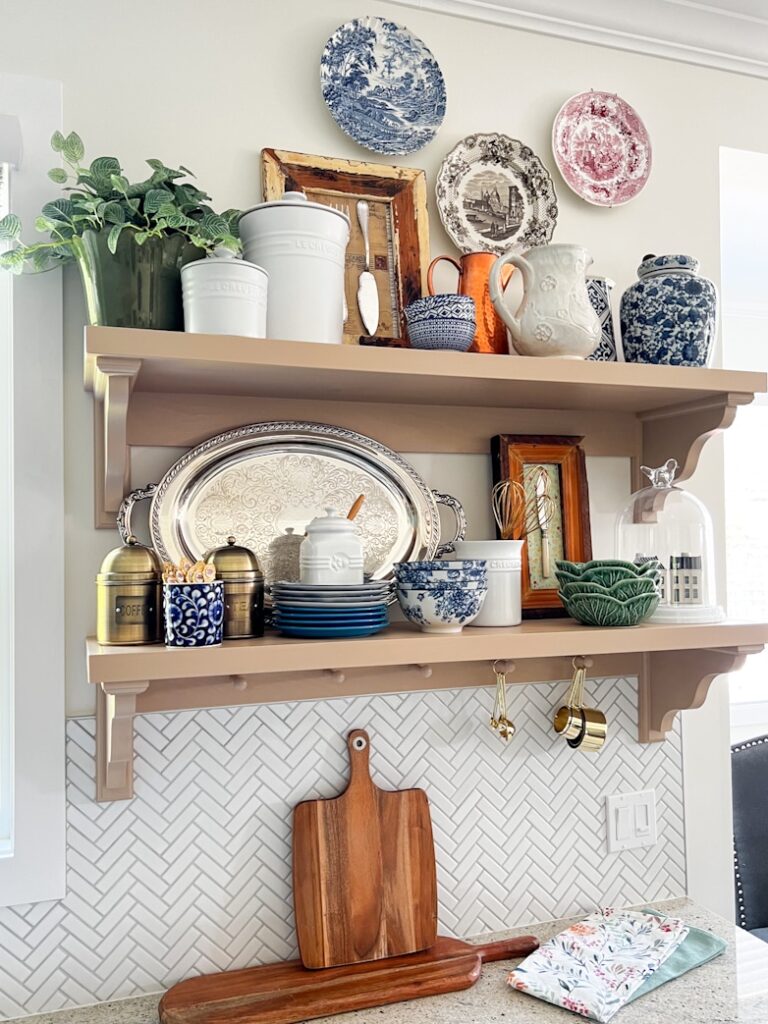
(749, 767)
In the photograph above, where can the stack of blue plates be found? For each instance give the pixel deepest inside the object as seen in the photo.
(307, 610)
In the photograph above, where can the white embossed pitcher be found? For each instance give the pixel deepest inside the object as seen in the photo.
(555, 317)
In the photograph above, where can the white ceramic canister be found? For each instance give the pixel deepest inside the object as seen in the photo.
(302, 246)
(502, 605)
(331, 552)
(224, 295)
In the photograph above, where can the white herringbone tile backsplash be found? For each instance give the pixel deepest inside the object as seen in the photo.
(193, 875)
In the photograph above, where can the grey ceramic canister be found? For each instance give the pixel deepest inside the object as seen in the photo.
(669, 315)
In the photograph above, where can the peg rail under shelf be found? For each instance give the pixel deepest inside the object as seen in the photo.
(675, 665)
(175, 389)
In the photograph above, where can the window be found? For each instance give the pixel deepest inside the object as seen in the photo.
(32, 723)
(744, 234)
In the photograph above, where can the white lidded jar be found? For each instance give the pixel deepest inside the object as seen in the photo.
(503, 602)
(302, 246)
(331, 552)
(224, 295)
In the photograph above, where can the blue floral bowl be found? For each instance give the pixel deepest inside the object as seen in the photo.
(442, 322)
(443, 608)
(194, 614)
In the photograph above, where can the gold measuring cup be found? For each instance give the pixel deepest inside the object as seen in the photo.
(582, 727)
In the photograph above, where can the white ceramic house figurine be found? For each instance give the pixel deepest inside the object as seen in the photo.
(331, 552)
(556, 317)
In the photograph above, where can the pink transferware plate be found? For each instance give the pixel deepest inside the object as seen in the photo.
(602, 148)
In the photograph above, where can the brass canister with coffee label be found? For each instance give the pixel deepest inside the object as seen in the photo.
(129, 596)
(238, 568)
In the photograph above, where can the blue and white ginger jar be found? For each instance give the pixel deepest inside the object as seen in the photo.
(669, 315)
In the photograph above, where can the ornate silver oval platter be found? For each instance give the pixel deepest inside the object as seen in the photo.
(494, 194)
(255, 482)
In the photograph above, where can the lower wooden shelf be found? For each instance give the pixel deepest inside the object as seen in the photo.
(675, 665)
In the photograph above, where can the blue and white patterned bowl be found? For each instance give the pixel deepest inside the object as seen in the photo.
(438, 564)
(443, 609)
(416, 584)
(441, 575)
(442, 322)
(194, 614)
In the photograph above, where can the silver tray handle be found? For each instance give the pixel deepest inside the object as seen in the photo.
(461, 521)
(126, 509)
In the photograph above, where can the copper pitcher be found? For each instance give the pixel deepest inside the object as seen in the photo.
(474, 270)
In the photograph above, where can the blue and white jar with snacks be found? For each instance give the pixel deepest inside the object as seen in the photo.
(194, 614)
(669, 315)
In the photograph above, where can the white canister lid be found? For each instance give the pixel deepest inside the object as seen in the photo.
(295, 200)
(332, 522)
(222, 255)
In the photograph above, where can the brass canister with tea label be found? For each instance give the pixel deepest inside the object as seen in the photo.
(238, 569)
(128, 596)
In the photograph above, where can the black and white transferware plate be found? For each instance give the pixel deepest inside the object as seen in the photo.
(495, 195)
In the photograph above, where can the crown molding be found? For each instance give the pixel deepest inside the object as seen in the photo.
(683, 30)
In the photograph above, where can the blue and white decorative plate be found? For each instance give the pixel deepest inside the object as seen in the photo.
(382, 85)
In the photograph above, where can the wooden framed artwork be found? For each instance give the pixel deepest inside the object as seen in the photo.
(554, 465)
(399, 229)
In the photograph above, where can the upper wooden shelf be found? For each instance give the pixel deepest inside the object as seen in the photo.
(215, 364)
(177, 389)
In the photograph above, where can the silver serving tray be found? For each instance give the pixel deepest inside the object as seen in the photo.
(256, 481)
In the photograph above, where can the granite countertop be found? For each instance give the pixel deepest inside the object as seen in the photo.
(732, 989)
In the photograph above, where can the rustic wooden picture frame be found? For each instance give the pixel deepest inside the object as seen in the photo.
(510, 454)
(399, 228)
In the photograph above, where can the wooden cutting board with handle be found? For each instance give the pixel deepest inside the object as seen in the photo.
(286, 993)
(364, 881)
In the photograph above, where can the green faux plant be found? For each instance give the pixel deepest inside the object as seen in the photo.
(100, 197)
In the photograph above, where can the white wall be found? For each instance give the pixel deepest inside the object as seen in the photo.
(209, 86)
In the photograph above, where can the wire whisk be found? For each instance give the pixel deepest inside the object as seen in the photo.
(517, 515)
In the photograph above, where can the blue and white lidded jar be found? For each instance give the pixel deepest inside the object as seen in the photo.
(669, 315)
(194, 614)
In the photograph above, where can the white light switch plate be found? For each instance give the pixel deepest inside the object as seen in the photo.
(631, 820)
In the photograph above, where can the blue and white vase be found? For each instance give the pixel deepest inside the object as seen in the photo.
(599, 291)
(669, 315)
(194, 614)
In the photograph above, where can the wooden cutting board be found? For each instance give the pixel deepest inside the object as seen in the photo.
(364, 882)
(286, 993)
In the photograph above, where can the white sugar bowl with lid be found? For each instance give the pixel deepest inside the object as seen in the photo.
(503, 558)
(332, 552)
(302, 246)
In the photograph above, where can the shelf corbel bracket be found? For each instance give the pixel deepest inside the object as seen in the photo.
(112, 381)
(672, 681)
(681, 431)
(115, 708)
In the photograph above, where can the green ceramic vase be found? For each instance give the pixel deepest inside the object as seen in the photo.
(138, 285)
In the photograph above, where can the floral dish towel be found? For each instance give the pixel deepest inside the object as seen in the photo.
(594, 967)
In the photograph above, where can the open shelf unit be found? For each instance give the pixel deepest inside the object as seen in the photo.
(176, 389)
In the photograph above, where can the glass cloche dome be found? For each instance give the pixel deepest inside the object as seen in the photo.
(665, 522)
